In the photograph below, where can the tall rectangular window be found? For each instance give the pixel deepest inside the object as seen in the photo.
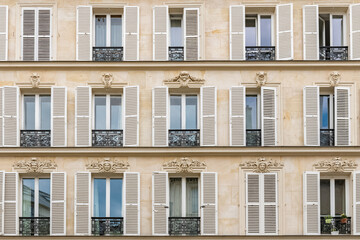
(252, 112)
(107, 197)
(108, 112)
(37, 112)
(333, 196)
(250, 31)
(326, 111)
(258, 30)
(176, 31)
(331, 30)
(35, 197)
(265, 28)
(108, 30)
(337, 30)
(183, 111)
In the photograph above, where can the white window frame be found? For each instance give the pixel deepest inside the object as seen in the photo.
(37, 110)
(258, 112)
(108, 110)
(258, 28)
(331, 108)
(183, 110)
(108, 28)
(332, 193)
(182, 28)
(331, 30)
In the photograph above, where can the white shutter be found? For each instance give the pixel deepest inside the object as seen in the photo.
(58, 203)
(131, 116)
(131, 203)
(2, 191)
(11, 116)
(4, 26)
(311, 32)
(252, 203)
(237, 116)
(208, 102)
(284, 28)
(354, 20)
(44, 34)
(160, 33)
(82, 218)
(311, 116)
(356, 203)
(342, 116)
(270, 204)
(311, 194)
(191, 30)
(1, 116)
(160, 203)
(268, 116)
(11, 220)
(28, 36)
(160, 108)
(131, 33)
(237, 32)
(209, 201)
(83, 33)
(58, 116)
(83, 117)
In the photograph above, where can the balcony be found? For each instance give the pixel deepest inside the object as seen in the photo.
(34, 226)
(253, 137)
(184, 226)
(333, 53)
(176, 53)
(35, 138)
(107, 138)
(255, 53)
(184, 138)
(108, 54)
(336, 224)
(327, 137)
(107, 226)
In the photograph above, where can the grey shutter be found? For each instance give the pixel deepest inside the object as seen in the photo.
(160, 203)
(11, 220)
(58, 204)
(311, 203)
(84, 33)
(208, 101)
(28, 34)
(160, 33)
(311, 32)
(252, 203)
(2, 189)
(131, 116)
(354, 20)
(58, 116)
(356, 203)
(11, 116)
(83, 117)
(192, 34)
(237, 32)
(268, 116)
(1, 116)
(82, 219)
(132, 203)
(44, 35)
(270, 206)
(4, 33)
(311, 116)
(209, 201)
(237, 116)
(342, 116)
(160, 106)
(131, 30)
(284, 27)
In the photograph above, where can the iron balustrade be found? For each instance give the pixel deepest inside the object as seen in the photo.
(184, 138)
(333, 53)
(108, 54)
(184, 225)
(327, 137)
(35, 138)
(253, 137)
(34, 226)
(176, 53)
(336, 224)
(107, 138)
(257, 53)
(107, 226)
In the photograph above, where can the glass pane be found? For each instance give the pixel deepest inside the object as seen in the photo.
(325, 197)
(176, 34)
(250, 32)
(337, 31)
(100, 31)
(115, 112)
(192, 200)
(265, 28)
(325, 112)
(116, 31)
(191, 112)
(44, 197)
(28, 197)
(321, 32)
(175, 112)
(116, 197)
(175, 197)
(340, 196)
(251, 112)
(99, 197)
(29, 112)
(45, 112)
(100, 112)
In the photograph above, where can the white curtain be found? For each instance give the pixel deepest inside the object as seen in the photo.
(100, 31)
(175, 197)
(192, 201)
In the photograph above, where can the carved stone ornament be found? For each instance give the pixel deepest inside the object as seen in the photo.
(107, 79)
(184, 80)
(336, 165)
(262, 165)
(107, 165)
(261, 78)
(35, 166)
(184, 165)
(335, 78)
(35, 80)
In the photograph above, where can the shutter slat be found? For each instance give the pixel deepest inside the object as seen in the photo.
(253, 203)
(208, 101)
(209, 218)
(237, 116)
(10, 117)
(191, 34)
(268, 118)
(82, 219)
(58, 203)
(284, 39)
(131, 46)
(311, 32)
(311, 116)
(270, 203)
(160, 99)
(160, 37)
(311, 194)
(28, 39)
(356, 203)
(237, 32)
(84, 32)
(4, 33)
(342, 116)
(132, 203)
(131, 99)
(44, 31)
(160, 204)
(83, 116)
(58, 116)
(10, 203)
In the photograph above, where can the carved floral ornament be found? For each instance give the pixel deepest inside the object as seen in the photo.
(261, 79)
(336, 165)
(335, 78)
(107, 79)
(262, 165)
(184, 165)
(107, 165)
(184, 80)
(35, 166)
(35, 80)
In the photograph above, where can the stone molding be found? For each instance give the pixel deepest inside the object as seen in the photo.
(184, 165)
(184, 80)
(107, 165)
(35, 166)
(262, 165)
(35, 80)
(261, 79)
(337, 164)
(107, 79)
(335, 78)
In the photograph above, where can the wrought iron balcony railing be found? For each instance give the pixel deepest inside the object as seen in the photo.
(34, 226)
(253, 137)
(184, 226)
(335, 225)
(35, 138)
(176, 53)
(333, 53)
(108, 54)
(107, 226)
(256, 53)
(107, 138)
(327, 137)
(184, 138)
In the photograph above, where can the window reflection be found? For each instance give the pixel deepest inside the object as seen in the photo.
(324, 112)
(99, 209)
(176, 32)
(265, 28)
(175, 112)
(29, 111)
(250, 32)
(251, 112)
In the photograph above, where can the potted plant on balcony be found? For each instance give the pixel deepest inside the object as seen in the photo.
(343, 218)
(334, 231)
(328, 219)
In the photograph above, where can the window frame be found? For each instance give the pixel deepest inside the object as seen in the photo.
(258, 28)
(344, 28)
(183, 110)
(37, 110)
(258, 110)
(182, 27)
(108, 110)
(108, 28)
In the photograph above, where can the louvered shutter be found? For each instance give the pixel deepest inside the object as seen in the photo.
(356, 203)
(270, 206)
(342, 116)
(1, 117)
(252, 203)
(354, 31)
(131, 30)
(131, 116)
(28, 34)
(268, 116)
(160, 106)
(160, 203)
(58, 204)
(209, 208)
(237, 32)
(4, 33)
(311, 32)
(58, 116)
(132, 203)
(237, 116)
(2, 186)
(160, 33)
(191, 30)
(83, 33)
(311, 203)
(83, 117)
(311, 116)
(208, 101)
(11, 226)
(44, 35)
(284, 36)
(82, 218)
(10, 117)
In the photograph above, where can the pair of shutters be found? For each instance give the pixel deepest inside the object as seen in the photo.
(161, 33)
(9, 184)
(131, 203)
(84, 31)
(160, 203)
(238, 116)
(83, 112)
(160, 116)
(312, 116)
(284, 32)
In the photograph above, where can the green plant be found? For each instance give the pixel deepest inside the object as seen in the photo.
(328, 219)
(343, 215)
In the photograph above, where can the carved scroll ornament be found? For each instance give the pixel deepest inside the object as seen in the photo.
(336, 165)
(184, 80)
(262, 165)
(184, 165)
(107, 165)
(35, 166)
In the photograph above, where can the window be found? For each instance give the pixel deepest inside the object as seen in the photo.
(37, 112)
(331, 30)
(183, 111)
(108, 112)
(258, 30)
(176, 30)
(108, 30)
(333, 192)
(326, 111)
(35, 197)
(252, 112)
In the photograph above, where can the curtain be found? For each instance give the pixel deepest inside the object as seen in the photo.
(116, 31)
(100, 31)
(175, 197)
(192, 201)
